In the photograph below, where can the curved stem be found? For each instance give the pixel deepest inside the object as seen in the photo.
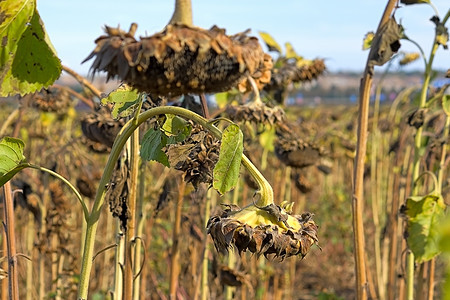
(358, 170)
(434, 8)
(418, 47)
(70, 185)
(83, 81)
(126, 131)
(11, 117)
(255, 89)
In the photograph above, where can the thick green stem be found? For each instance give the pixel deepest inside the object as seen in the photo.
(122, 137)
(418, 153)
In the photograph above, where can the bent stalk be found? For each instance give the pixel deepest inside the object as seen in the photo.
(119, 143)
(358, 171)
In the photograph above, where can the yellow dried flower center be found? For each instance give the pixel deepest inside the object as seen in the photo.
(254, 216)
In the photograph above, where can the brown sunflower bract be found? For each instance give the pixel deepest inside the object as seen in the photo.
(262, 239)
(178, 60)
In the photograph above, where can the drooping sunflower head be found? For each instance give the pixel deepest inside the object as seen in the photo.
(268, 230)
(181, 59)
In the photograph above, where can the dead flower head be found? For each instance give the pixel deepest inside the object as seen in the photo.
(100, 128)
(53, 99)
(179, 60)
(257, 112)
(196, 156)
(296, 152)
(263, 230)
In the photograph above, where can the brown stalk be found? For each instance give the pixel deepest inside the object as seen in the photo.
(182, 13)
(4, 293)
(431, 282)
(30, 234)
(83, 99)
(358, 180)
(9, 226)
(83, 81)
(174, 266)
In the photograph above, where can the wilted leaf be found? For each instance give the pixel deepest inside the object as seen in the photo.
(152, 144)
(270, 42)
(290, 52)
(28, 61)
(446, 104)
(441, 32)
(179, 153)
(409, 2)
(385, 43)
(12, 159)
(226, 171)
(367, 42)
(124, 98)
(424, 217)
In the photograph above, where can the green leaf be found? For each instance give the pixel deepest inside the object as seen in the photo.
(424, 217)
(177, 128)
(12, 159)
(444, 235)
(226, 171)
(270, 42)
(446, 104)
(28, 61)
(14, 14)
(125, 100)
(152, 144)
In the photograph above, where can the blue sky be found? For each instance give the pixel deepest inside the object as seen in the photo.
(329, 29)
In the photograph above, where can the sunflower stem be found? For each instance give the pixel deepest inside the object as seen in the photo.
(127, 130)
(182, 13)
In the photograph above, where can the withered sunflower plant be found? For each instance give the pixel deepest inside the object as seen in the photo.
(184, 59)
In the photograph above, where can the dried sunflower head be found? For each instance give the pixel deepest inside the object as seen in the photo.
(196, 156)
(52, 99)
(263, 230)
(178, 60)
(257, 112)
(409, 58)
(100, 127)
(296, 152)
(293, 72)
(296, 71)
